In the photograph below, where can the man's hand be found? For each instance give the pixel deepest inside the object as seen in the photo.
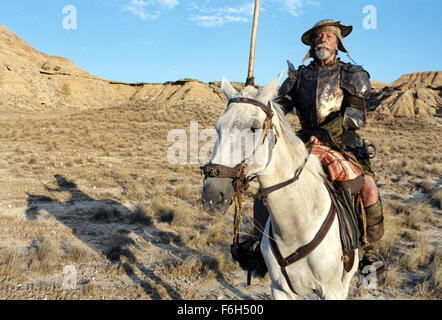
(314, 140)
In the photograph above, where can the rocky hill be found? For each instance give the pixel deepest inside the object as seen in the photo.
(31, 80)
(412, 94)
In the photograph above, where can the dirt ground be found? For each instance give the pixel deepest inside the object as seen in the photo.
(93, 189)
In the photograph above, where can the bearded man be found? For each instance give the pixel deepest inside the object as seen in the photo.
(330, 99)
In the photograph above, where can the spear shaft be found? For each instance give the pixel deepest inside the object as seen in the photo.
(250, 78)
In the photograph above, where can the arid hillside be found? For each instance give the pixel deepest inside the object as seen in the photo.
(415, 94)
(31, 80)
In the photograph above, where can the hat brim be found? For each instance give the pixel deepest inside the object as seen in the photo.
(307, 37)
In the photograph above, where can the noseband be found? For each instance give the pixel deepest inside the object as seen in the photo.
(238, 173)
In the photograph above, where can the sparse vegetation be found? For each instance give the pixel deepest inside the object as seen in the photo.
(94, 189)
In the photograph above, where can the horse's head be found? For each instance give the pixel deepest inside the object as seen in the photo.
(244, 143)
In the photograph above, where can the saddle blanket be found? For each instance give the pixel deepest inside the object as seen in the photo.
(339, 168)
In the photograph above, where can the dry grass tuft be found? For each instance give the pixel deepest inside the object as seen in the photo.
(418, 257)
(202, 267)
(141, 216)
(437, 199)
(106, 214)
(43, 255)
(162, 213)
(9, 262)
(75, 253)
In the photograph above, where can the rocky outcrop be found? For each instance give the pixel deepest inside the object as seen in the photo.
(430, 78)
(415, 94)
(32, 80)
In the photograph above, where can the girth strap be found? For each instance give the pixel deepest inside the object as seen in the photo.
(303, 251)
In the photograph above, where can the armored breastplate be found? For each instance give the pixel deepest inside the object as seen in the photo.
(318, 94)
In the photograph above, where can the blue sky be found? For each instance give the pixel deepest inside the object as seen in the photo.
(165, 40)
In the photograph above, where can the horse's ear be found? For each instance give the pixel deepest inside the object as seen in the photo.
(227, 89)
(271, 89)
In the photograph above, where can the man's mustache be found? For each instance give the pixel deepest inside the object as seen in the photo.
(323, 45)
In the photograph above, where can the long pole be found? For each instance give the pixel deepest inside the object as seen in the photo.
(250, 79)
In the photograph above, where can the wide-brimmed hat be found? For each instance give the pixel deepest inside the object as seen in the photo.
(329, 25)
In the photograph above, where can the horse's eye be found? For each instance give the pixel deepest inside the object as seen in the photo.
(253, 129)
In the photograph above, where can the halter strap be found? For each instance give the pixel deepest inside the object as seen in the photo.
(266, 108)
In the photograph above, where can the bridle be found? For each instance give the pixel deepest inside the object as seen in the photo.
(238, 173)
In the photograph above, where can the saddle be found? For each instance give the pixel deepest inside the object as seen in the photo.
(351, 217)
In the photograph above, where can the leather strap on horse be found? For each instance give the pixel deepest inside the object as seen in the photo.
(303, 251)
(238, 174)
(263, 193)
(266, 108)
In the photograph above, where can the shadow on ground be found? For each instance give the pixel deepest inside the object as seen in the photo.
(89, 220)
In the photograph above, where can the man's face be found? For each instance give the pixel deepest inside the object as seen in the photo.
(326, 45)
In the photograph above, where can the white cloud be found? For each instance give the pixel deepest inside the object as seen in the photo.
(295, 7)
(215, 20)
(149, 9)
(217, 17)
(169, 4)
(209, 16)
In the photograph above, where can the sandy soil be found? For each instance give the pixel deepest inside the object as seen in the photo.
(93, 189)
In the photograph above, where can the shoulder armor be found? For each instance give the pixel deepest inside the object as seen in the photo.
(284, 97)
(288, 84)
(355, 80)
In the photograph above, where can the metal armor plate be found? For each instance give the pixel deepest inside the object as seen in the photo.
(319, 94)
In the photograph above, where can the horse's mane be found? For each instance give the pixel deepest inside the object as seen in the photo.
(297, 149)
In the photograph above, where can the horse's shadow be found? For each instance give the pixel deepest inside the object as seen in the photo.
(89, 220)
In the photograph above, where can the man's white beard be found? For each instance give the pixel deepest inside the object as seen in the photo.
(322, 52)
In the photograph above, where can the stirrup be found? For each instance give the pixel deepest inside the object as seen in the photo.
(372, 258)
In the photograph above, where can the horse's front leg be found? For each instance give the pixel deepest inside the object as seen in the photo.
(279, 287)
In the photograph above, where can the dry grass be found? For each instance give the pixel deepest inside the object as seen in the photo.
(43, 255)
(9, 262)
(133, 224)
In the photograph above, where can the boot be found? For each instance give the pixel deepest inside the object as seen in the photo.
(375, 231)
(372, 262)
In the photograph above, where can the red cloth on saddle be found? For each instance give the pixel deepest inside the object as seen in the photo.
(338, 166)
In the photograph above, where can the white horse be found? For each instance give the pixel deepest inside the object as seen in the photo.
(297, 210)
